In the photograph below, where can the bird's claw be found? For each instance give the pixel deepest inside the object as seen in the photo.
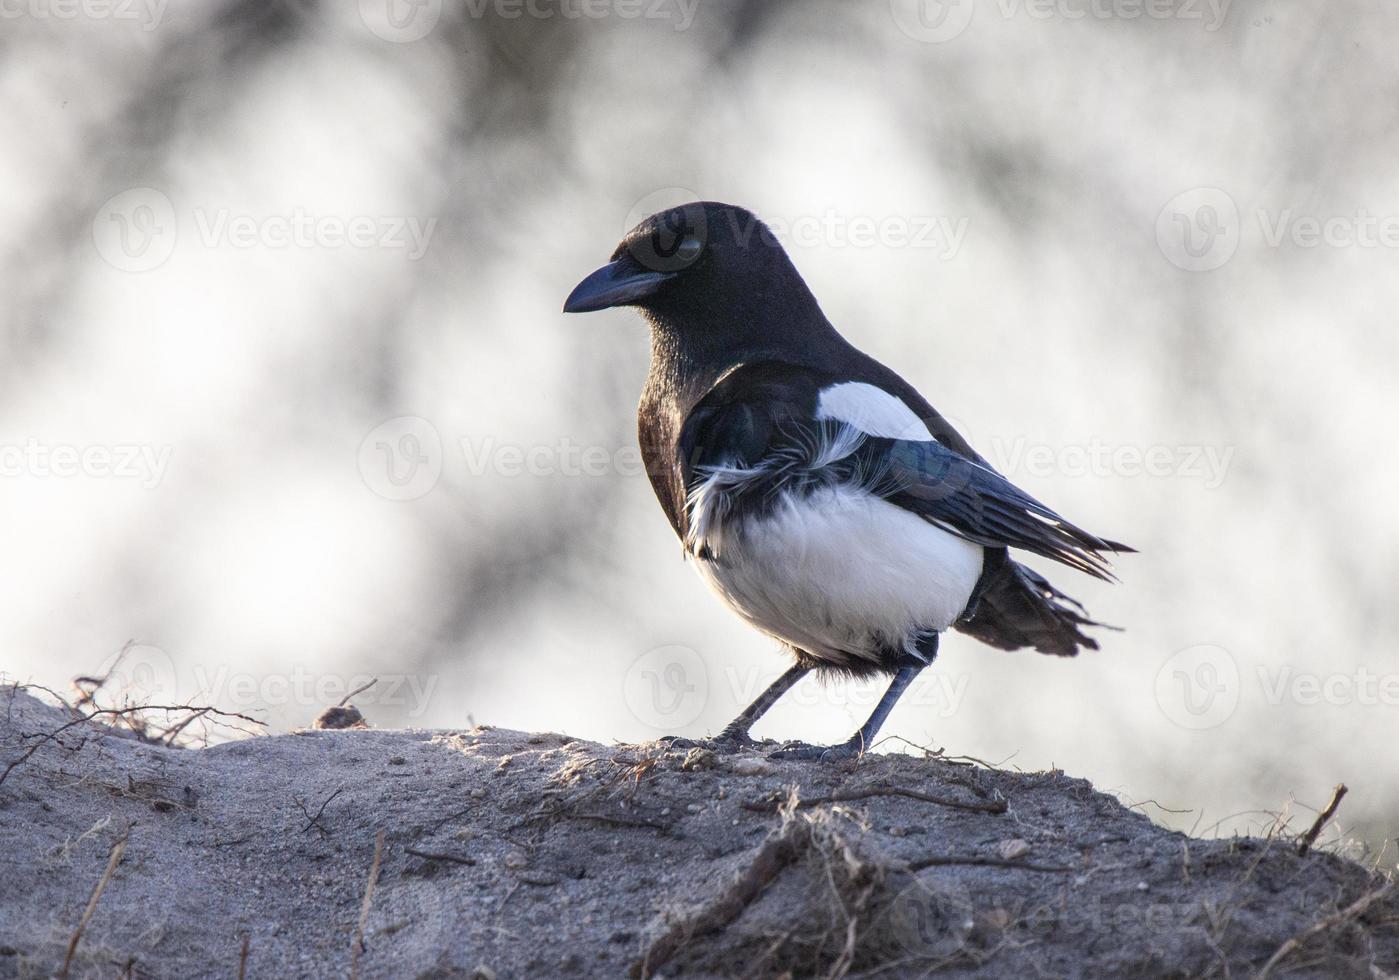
(725, 743)
(852, 749)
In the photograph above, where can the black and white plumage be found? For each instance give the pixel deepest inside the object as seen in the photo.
(815, 490)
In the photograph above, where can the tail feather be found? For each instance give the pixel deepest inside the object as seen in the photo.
(1017, 607)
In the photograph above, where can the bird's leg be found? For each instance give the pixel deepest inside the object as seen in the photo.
(735, 733)
(864, 738)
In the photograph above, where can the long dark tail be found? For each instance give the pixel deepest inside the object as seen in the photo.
(1017, 607)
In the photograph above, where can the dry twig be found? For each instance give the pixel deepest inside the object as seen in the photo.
(432, 856)
(357, 691)
(118, 849)
(942, 860)
(1352, 911)
(315, 820)
(869, 792)
(46, 737)
(369, 887)
(1329, 811)
(781, 848)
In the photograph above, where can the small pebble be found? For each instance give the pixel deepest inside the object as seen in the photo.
(750, 767)
(1014, 848)
(698, 758)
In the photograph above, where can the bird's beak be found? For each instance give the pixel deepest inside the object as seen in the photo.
(615, 284)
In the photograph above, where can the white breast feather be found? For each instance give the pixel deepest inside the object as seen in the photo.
(841, 573)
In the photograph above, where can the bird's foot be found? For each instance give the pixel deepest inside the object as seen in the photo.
(678, 742)
(852, 749)
(725, 743)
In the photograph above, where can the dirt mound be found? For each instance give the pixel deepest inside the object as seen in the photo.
(491, 853)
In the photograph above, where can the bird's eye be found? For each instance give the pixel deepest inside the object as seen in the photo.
(689, 249)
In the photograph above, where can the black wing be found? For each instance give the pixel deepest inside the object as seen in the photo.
(977, 503)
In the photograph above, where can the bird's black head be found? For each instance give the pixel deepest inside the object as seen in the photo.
(705, 272)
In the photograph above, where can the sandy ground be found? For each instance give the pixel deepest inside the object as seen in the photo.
(503, 854)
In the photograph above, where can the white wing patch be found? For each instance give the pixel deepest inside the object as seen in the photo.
(872, 410)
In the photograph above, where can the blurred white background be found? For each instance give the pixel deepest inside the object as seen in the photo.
(289, 401)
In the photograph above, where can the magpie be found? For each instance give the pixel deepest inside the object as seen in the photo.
(821, 496)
